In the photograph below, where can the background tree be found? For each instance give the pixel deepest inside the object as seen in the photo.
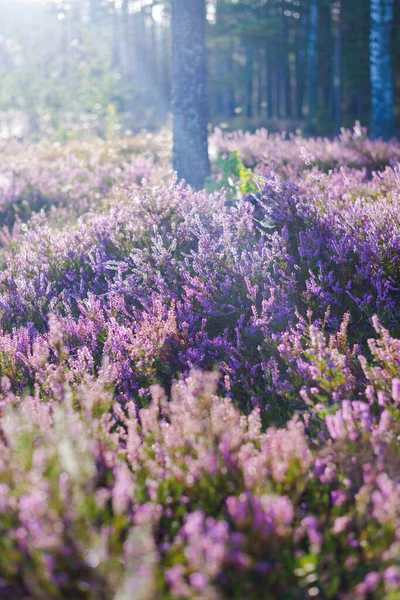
(312, 58)
(189, 91)
(84, 67)
(382, 121)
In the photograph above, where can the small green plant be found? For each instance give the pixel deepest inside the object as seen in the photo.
(233, 176)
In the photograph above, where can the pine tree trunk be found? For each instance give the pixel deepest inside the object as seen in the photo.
(301, 35)
(219, 65)
(116, 38)
(286, 67)
(189, 91)
(338, 71)
(260, 86)
(65, 44)
(325, 65)
(268, 66)
(125, 41)
(95, 11)
(249, 81)
(313, 59)
(230, 104)
(382, 122)
(166, 67)
(277, 78)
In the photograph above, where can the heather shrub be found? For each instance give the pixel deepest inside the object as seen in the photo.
(192, 496)
(69, 181)
(200, 391)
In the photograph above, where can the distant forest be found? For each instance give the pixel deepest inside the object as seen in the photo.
(105, 65)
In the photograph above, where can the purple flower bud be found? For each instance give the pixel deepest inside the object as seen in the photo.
(198, 581)
(391, 577)
(396, 389)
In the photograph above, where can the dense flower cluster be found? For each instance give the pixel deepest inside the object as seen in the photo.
(293, 154)
(67, 182)
(200, 397)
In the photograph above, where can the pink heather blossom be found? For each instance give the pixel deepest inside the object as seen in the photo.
(184, 406)
(396, 389)
(341, 523)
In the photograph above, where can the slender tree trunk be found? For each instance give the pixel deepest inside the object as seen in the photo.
(226, 64)
(325, 64)
(189, 91)
(286, 67)
(301, 63)
(161, 62)
(230, 86)
(249, 81)
(338, 70)
(268, 61)
(279, 84)
(312, 59)
(153, 65)
(95, 11)
(65, 44)
(219, 69)
(225, 96)
(126, 51)
(219, 64)
(166, 66)
(260, 87)
(382, 122)
(116, 37)
(276, 85)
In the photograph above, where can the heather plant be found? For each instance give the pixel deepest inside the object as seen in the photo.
(68, 181)
(291, 154)
(200, 391)
(193, 497)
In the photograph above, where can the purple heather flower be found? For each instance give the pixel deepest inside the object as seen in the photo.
(396, 389)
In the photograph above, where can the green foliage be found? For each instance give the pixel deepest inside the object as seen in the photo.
(233, 176)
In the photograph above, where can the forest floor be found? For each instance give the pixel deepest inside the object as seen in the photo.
(200, 391)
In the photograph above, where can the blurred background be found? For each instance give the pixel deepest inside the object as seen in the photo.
(71, 69)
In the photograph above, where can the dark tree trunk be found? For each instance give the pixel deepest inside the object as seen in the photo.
(230, 86)
(260, 87)
(301, 55)
(338, 70)
(286, 67)
(325, 65)
(269, 100)
(189, 91)
(276, 92)
(382, 124)
(312, 59)
(278, 88)
(249, 81)
(219, 64)
(225, 98)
